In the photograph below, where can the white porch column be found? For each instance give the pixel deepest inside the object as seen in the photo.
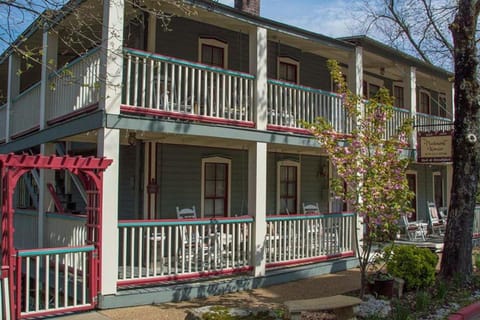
(111, 57)
(44, 197)
(13, 89)
(355, 71)
(49, 64)
(411, 99)
(258, 67)
(108, 141)
(257, 203)
(450, 93)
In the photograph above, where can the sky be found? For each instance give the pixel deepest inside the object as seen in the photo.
(328, 17)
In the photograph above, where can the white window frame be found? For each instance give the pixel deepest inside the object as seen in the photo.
(422, 91)
(214, 43)
(289, 61)
(216, 159)
(290, 163)
(442, 96)
(371, 80)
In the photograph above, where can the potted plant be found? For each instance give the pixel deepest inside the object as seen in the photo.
(380, 281)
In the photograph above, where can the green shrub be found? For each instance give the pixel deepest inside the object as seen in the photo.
(414, 265)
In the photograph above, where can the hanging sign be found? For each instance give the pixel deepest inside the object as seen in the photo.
(434, 146)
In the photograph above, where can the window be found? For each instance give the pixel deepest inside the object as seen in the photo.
(412, 185)
(438, 189)
(424, 103)
(442, 105)
(398, 95)
(288, 173)
(371, 87)
(213, 52)
(288, 69)
(216, 175)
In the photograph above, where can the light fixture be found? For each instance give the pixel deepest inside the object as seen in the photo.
(132, 139)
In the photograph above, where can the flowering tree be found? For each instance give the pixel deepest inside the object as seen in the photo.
(370, 166)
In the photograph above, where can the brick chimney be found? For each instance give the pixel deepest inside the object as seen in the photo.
(248, 6)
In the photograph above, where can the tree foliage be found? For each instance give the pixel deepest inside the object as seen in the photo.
(370, 165)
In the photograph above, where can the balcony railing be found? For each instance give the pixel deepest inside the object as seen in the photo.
(289, 105)
(74, 87)
(156, 84)
(396, 121)
(177, 89)
(294, 239)
(161, 250)
(25, 111)
(427, 122)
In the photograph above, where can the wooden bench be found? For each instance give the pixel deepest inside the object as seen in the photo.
(342, 306)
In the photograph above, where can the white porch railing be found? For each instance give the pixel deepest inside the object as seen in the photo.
(156, 83)
(289, 104)
(427, 122)
(157, 250)
(303, 238)
(65, 230)
(25, 112)
(3, 122)
(50, 281)
(396, 121)
(75, 86)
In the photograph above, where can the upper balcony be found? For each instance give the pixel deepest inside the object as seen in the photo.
(164, 87)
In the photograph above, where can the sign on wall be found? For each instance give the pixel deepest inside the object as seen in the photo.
(434, 146)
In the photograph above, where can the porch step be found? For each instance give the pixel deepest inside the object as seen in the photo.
(342, 306)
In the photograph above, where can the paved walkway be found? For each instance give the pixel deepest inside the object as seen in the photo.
(270, 297)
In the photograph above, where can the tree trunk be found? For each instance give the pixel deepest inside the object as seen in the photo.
(457, 252)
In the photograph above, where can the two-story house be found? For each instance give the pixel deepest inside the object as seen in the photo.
(212, 174)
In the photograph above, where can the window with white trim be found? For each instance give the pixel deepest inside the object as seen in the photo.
(371, 86)
(442, 105)
(288, 186)
(424, 102)
(216, 182)
(288, 69)
(398, 95)
(213, 52)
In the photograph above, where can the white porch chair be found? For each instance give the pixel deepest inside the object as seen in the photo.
(310, 208)
(193, 245)
(414, 230)
(437, 224)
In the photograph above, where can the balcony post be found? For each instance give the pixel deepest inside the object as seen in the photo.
(257, 203)
(13, 89)
(108, 145)
(108, 140)
(49, 64)
(410, 92)
(258, 67)
(111, 56)
(355, 71)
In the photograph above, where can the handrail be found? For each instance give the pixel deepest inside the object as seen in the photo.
(51, 251)
(72, 63)
(174, 222)
(431, 116)
(187, 63)
(304, 88)
(25, 92)
(309, 216)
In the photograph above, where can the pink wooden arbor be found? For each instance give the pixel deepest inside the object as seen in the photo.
(12, 167)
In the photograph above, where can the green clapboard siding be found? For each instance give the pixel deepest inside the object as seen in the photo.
(179, 176)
